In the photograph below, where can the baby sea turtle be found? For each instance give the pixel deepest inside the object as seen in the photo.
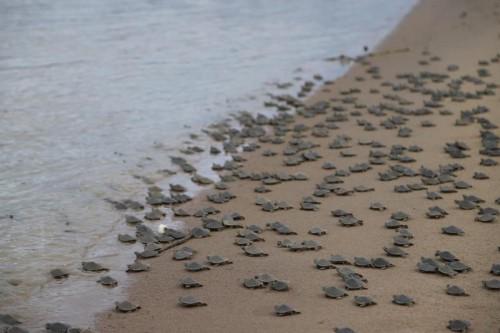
(190, 301)
(377, 206)
(265, 278)
(334, 292)
(57, 328)
(126, 238)
(255, 228)
(446, 270)
(400, 216)
(402, 241)
(279, 285)
(9, 320)
(395, 251)
(108, 281)
(253, 283)
(446, 256)
(340, 213)
(242, 241)
(459, 266)
(350, 221)
(126, 307)
(434, 196)
(189, 282)
(337, 259)
(354, 283)
(253, 251)
(394, 224)
(402, 300)
(454, 290)
(218, 260)
(495, 269)
(436, 212)
(380, 263)
(492, 284)
(147, 254)
(457, 325)
(452, 230)
(323, 264)
(316, 231)
(343, 330)
(183, 253)
(194, 266)
(250, 235)
(91, 266)
(285, 310)
(200, 232)
(364, 301)
(137, 266)
(361, 262)
(59, 273)
(465, 204)
(485, 218)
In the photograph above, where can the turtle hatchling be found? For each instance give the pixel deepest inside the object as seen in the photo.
(400, 216)
(334, 292)
(377, 206)
(337, 259)
(218, 260)
(454, 290)
(285, 310)
(395, 251)
(136, 267)
(446, 256)
(492, 284)
(190, 302)
(59, 273)
(183, 254)
(253, 283)
(200, 232)
(381, 263)
(126, 307)
(189, 282)
(364, 301)
(316, 231)
(495, 269)
(350, 221)
(253, 251)
(402, 300)
(194, 266)
(361, 262)
(354, 284)
(107, 281)
(452, 230)
(279, 285)
(323, 264)
(458, 325)
(91, 266)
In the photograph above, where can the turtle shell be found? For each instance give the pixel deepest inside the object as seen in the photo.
(493, 284)
(200, 232)
(402, 300)
(395, 251)
(361, 262)
(91, 266)
(253, 251)
(337, 259)
(107, 281)
(458, 325)
(446, 256)
(194, 266)
(285, 310)
(495, 269)
(279, 285)
(190, 301)
(354, 284)
(454, 290)
(189, 282)
(59, 273)
(253, 283)
(364, 301)
(137, 266)
(380, 263)
(126, 307)
(452, 230)
(323, 264)
(218, 260)
(334, 292)
(265, 278)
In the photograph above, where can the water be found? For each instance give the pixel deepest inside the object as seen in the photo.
(93, 93)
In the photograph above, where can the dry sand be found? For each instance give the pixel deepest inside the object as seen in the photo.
(460, 32)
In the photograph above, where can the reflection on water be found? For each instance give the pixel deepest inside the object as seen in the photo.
(94, 92)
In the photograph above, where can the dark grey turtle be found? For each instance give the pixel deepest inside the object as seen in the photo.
(457, 325)
(316, 231)
(446, 270)
(253, 251)
(381, 263)
(452, 230)
(213, 224)
(285, 243)
(183, 253)
(446, 256)
(447, 189)
(190, 302)
(395, 251)
(242, 241)
(400, 216)
(340, 213)
(231, 222)
(402, 241)
(354, 283)
(189, 282)
(137, 266)
(377, 206)
(218, 260)
(343, 330)
(279, 285)
(285, 310)
(495, 269)
(363, 189)
(473, 198)
(492, 284)
(350, 221)
(454, 290)
(362, 262)
(250, 235)
(311, 245)
(154, 215)
(485, 218)
(253, 283)
(364, 301)
(57, 327)
(328, 166)
(58, 273)
(14, 329)
(265, 278)
(323, 264)
(459, 266)
(394, 224)
(255, 228)
(465, 204)
(9, 320)
(402, 189)
(405, 233)
(347, 273)
(337, 259)
(334, 292)
(434, 196)
(194, 266)
(147, 254)
(200, 232)
(402, 300)
(461, 185)
(108, 281)
(126, 238)
(180, 212)
(427, 266)
(91, 266)
(126, 307)
(436, 212)
(489, 210)
(480, 176)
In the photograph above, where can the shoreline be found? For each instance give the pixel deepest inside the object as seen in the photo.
(442, 29)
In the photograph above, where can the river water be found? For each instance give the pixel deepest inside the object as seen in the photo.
(95, 95)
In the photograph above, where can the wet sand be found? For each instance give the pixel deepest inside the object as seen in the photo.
(459, 32)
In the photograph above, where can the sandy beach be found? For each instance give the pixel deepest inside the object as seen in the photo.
(398, 96)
